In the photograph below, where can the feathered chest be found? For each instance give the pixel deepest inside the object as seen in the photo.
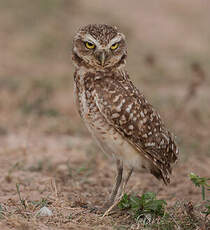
(105, 134)
(88, 109)
(84, 97)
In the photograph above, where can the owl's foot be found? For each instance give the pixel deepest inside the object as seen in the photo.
(110, 208)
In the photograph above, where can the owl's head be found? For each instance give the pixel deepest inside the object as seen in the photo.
(99, 46)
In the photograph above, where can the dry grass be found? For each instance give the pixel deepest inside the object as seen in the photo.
(46, 150)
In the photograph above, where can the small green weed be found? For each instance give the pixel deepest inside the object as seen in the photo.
(207, 211)
(146, 206)
(22, 201)
(200, 182)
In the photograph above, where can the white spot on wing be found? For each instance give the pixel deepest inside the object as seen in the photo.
(149, 144)
(130, 127)
(116, 98)
(115, 115)
(128, 109)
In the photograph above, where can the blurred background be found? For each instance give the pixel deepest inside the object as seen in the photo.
(168, 59)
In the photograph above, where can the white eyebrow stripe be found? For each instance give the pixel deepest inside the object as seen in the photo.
(116, 39)
(89, 38)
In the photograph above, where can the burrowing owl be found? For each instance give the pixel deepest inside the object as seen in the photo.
(115, 112)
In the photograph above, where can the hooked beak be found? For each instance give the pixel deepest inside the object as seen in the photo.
(101, 57)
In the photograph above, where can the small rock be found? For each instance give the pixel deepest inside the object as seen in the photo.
(44, 211)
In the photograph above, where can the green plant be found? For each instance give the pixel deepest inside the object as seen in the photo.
(200, 182)
(207, 211)
(146, 206)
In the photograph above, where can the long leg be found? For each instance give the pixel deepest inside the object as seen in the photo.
(123, 185)
(122, 190)
(117, 184)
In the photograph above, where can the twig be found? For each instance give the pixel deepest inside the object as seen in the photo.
(20, 198)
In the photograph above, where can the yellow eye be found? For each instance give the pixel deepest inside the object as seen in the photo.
(114, 46)
(89, 45)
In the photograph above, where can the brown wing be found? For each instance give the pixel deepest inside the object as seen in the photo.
(127, 110)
